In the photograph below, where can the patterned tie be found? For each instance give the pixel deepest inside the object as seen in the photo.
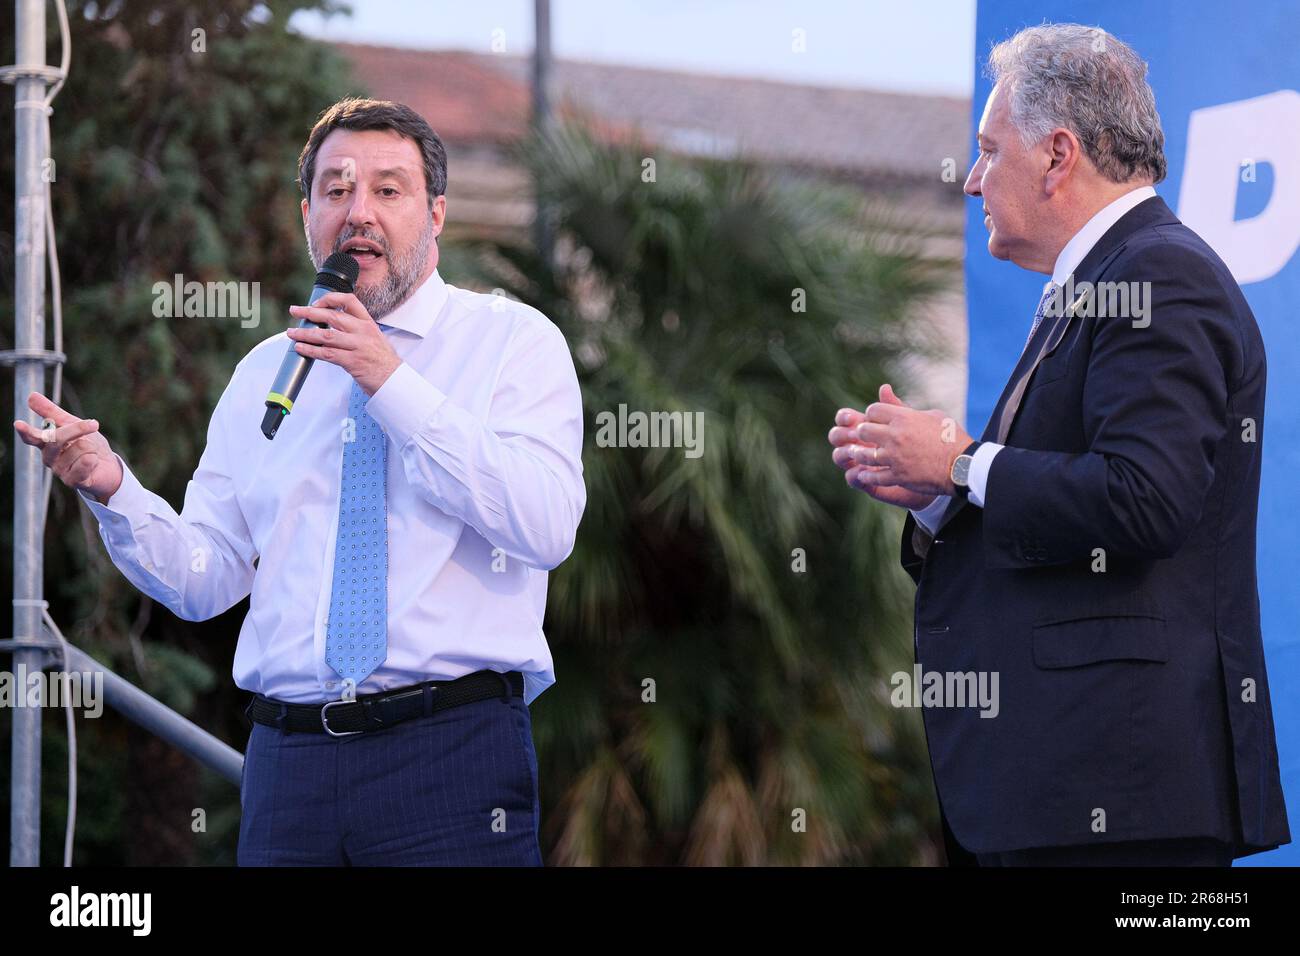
(357, 638)
(1038, 315)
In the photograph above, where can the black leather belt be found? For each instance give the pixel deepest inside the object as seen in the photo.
(342, 718)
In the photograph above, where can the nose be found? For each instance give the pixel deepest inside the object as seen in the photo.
(972, 187)
(360, 213)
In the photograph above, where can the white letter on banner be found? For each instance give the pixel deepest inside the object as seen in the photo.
(1218, 138)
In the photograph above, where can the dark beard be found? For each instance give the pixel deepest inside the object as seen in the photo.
(403, 269)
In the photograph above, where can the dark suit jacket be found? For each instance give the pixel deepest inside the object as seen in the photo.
(1133, 701)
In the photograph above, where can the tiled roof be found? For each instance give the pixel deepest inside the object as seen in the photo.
(465, 98)
(477, 98)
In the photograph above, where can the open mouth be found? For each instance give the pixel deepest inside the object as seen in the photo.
(364, 251)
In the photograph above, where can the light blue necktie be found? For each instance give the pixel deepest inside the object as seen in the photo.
(357, 637)
(1042, 308)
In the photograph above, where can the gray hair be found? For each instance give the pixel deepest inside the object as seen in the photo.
(1087, 81)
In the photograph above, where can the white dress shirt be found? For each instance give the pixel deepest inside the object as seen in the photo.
(485, 492)
(1067, 261)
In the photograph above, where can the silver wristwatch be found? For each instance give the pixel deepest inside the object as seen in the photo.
(960, 473)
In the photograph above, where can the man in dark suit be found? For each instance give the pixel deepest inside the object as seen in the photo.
(1094, 551)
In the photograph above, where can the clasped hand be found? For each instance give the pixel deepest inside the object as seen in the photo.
(897, 454)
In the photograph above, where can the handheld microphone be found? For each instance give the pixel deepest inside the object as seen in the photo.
(338, 274)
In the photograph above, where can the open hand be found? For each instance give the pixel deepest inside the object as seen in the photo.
(73, 449)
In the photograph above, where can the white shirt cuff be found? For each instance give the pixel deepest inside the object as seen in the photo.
(404, 404)
(129, 492)
(978, 478)
(928, 517)
(130, 499)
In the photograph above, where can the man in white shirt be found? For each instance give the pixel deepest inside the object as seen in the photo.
(1092, 557)
(395, 536)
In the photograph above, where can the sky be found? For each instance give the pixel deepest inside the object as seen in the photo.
(918, 47)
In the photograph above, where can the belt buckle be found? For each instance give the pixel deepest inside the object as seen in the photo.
(324, 722)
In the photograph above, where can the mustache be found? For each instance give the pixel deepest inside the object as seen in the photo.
(366, 234)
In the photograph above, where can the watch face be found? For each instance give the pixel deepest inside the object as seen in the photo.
(961, 470)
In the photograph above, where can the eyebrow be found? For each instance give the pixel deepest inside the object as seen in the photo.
(983, 138)
(391, 173)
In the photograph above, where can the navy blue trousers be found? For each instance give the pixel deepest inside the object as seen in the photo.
(1180, 851)
(456, 788)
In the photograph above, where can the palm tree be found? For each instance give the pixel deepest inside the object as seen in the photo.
(726, 625)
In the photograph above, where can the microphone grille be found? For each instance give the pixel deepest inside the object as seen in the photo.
(339, 272)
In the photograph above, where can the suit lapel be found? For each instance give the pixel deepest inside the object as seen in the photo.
(1149, 212)
(1027, 363)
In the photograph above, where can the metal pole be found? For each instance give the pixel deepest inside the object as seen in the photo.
(542, 62)
(544, 233)
(29, 376)
(159, 719)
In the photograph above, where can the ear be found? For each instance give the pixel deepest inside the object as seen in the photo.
(1064, 153)
(439, 214)
(304, 213)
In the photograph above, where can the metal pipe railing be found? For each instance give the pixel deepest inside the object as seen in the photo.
(159, 719)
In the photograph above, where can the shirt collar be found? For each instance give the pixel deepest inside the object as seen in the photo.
(417, 314)
(1096, 227)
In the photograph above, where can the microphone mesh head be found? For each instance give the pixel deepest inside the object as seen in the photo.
(339, 272)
